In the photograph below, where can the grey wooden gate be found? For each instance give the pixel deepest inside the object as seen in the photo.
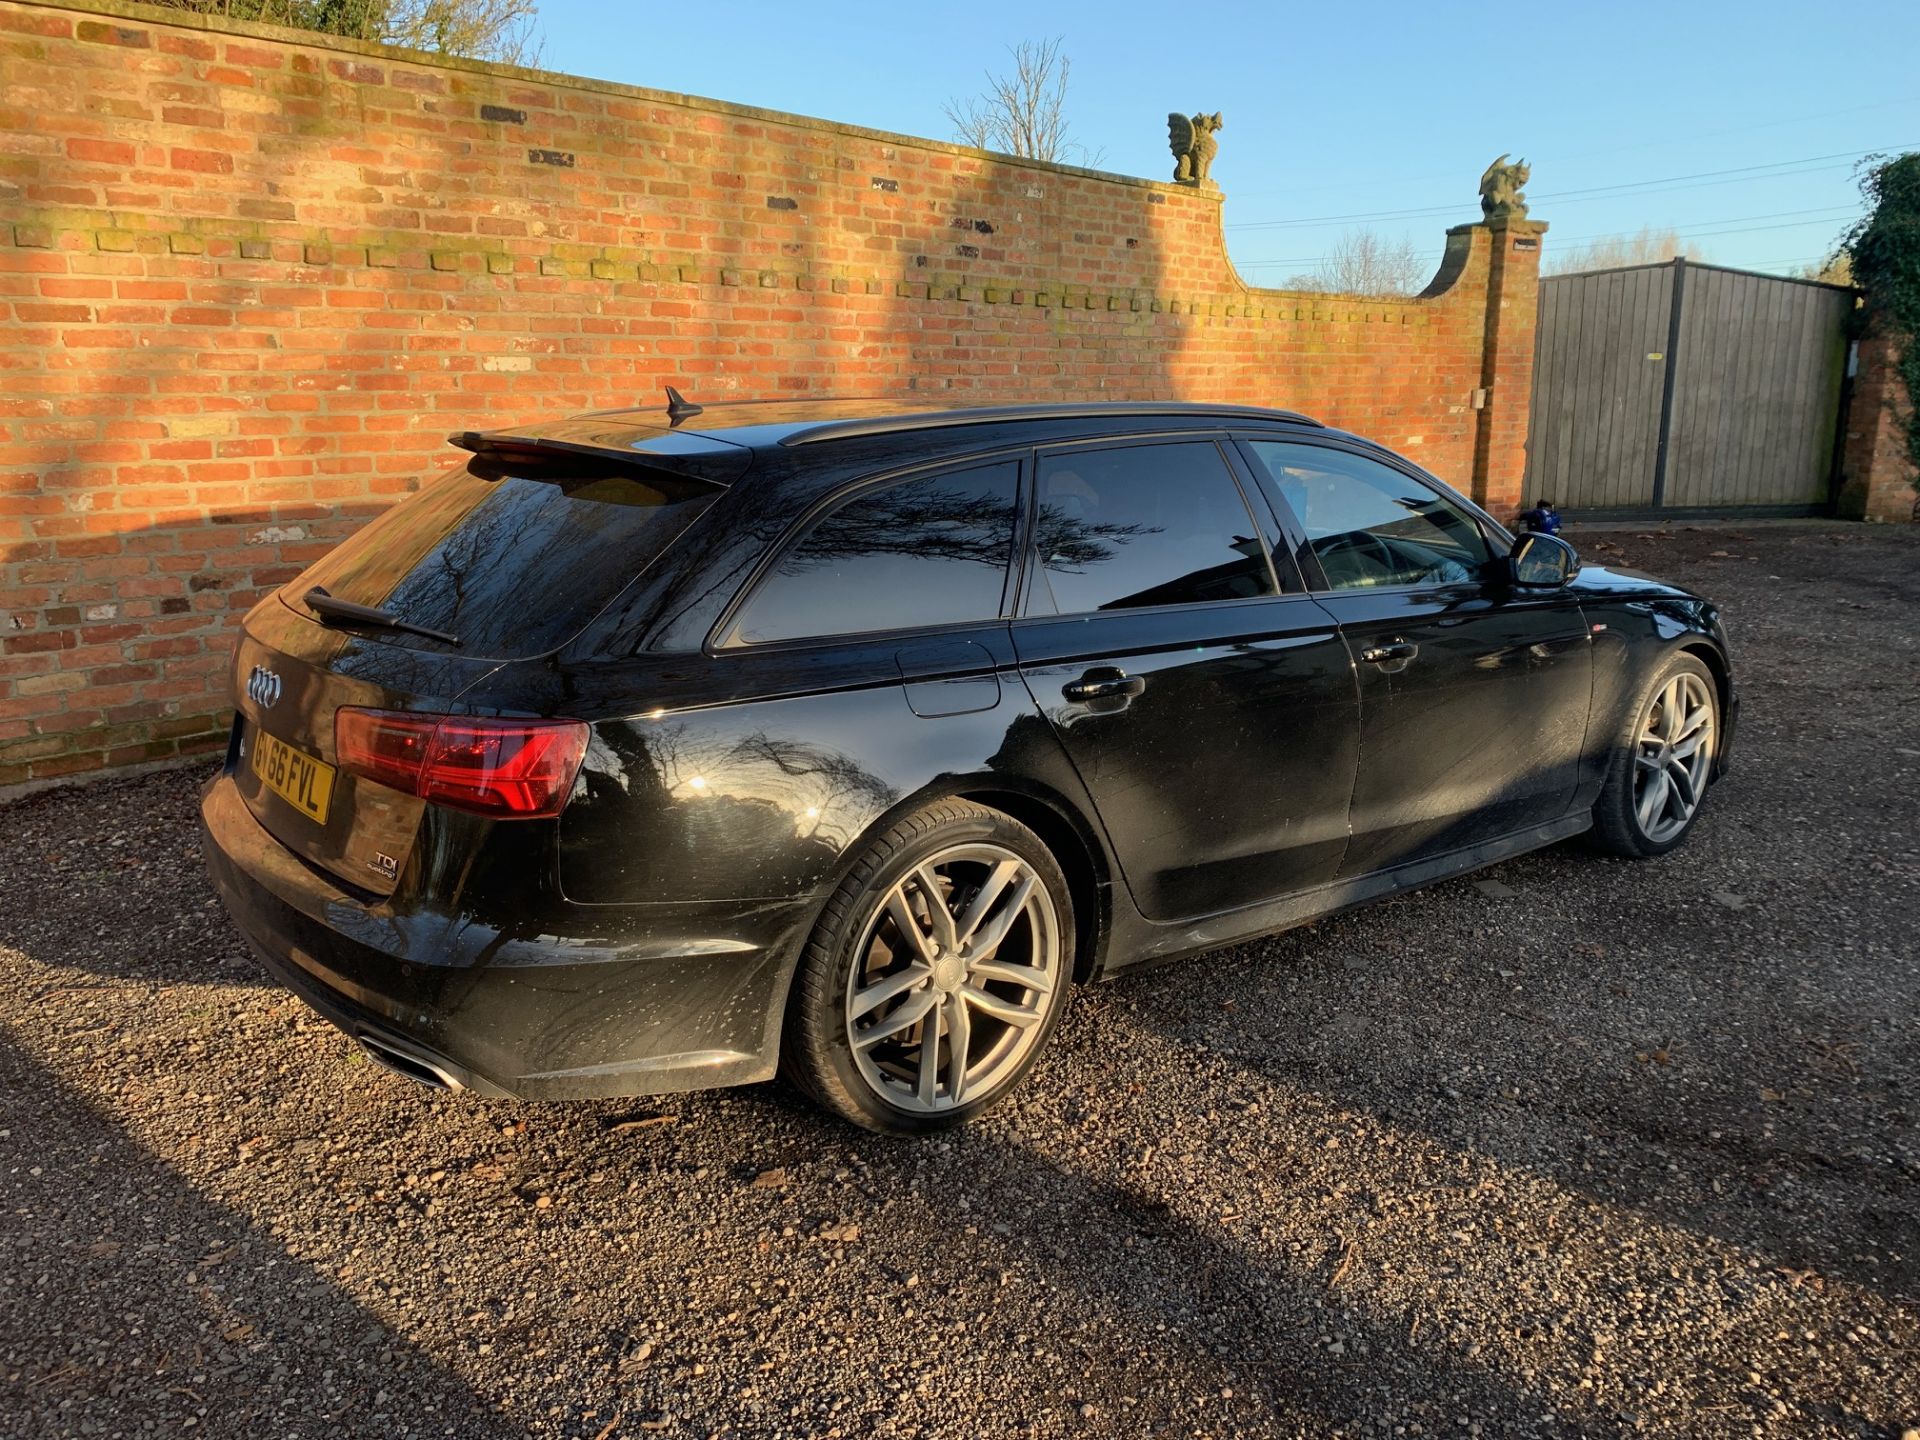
(1686, 387)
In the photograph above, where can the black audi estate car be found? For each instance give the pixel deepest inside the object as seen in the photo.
(654, 751)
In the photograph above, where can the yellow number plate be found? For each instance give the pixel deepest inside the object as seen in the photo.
(296, 777)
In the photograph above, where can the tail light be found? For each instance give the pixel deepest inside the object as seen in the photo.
(512, 769)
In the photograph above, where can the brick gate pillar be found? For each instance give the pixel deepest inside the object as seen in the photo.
(1506, 366)
(1877, 474)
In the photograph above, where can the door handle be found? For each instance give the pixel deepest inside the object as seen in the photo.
(1104, 682)
(1395, 653)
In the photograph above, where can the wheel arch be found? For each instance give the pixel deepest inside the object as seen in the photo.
(1061, 826)
(1710, 655)
(1079, 855)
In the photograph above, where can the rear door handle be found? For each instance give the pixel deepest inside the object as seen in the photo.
(1104, 682)
(1395, 653)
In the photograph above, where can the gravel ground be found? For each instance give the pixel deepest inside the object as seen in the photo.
(1600, 1148)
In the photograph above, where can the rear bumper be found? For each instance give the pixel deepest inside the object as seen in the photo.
(601, 1001)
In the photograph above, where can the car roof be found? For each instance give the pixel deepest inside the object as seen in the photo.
(813, 422)
(710, 440)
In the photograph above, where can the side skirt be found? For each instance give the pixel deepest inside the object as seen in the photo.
(1146, 943)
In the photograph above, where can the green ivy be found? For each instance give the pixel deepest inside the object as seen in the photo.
(1885, 250)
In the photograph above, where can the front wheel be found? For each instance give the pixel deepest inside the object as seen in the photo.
(1662, 763)
(935, 975)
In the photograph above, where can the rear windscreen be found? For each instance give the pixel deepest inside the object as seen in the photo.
(513, 558)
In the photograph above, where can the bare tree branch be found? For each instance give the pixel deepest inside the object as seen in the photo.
(1365, 263)
(503, 30)
(1612, 252)
(1836, 269)
(1024, 113)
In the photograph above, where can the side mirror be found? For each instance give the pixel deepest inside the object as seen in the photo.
(1542, 562)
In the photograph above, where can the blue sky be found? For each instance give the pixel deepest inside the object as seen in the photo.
(1336, 111)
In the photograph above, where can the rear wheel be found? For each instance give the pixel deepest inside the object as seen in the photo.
(1662, 763)
(935, 975)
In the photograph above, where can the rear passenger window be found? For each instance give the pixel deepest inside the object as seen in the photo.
(931, 551)
(1117, 529)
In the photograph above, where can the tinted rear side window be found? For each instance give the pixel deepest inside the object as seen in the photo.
(931, 551)
(1117, 529)
(513, 560)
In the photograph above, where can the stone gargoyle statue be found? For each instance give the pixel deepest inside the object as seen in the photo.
(1501, 197)
(1194, 147)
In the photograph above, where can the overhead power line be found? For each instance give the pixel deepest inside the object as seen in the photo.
(1736, 175)
(1577, 240)
(1729, 225)
(1667, 140)
(1708, 228)
(1845, 156)
(1664, 141)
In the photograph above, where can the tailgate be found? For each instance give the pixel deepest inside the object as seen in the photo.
(290, 675)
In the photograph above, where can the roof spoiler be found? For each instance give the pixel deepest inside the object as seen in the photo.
(689, 456)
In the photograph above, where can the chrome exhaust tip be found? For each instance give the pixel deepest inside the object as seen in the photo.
(415, 1067)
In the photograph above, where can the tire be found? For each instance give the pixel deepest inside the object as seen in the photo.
(993, 998)
(1662, 762)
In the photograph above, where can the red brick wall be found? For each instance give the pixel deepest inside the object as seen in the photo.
(250, 280)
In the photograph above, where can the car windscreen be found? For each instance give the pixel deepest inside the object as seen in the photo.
(512, 557)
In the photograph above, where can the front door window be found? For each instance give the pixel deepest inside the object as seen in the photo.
(1371, 525)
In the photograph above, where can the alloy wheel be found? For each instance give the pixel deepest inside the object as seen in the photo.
(1673, 755)
(953, 978)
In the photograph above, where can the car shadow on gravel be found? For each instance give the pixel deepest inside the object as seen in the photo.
(158, 1307)
(107, 880)
(1144, 1318)
(1544, 1082)
(1129, 1259)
